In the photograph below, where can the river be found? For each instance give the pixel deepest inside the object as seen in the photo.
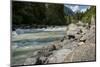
(24, 41)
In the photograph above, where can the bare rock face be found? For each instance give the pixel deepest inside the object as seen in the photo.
(89, 36)
(81, 49)
(80, 23)
(58, 56)
(76, 31)
(86, 50)
(72, 26)
(82, 53)
(81, 43)
(71, 45)
(72, 29)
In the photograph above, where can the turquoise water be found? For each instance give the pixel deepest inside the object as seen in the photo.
(31, 39)
(41, 37)
(43, 41)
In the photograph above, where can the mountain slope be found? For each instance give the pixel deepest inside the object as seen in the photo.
(68, 11)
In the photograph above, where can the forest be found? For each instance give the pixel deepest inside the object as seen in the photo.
(29, 13)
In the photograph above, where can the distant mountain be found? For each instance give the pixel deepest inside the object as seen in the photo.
(68, 11)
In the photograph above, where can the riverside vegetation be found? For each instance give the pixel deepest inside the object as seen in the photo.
(78, 43)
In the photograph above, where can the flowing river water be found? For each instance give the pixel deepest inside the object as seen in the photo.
(25, 41)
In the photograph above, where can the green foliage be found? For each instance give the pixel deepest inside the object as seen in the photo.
(48, 14)
(37, 13)
(88, 14)
(78, 15)
(55, 14)
(28, 13)
(82, 16)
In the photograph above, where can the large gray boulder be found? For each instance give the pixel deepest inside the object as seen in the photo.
(58, 56)
(90, 35)
(30, 61)
(82, 53)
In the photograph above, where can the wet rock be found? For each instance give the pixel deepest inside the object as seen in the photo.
(19, 31)
(35, 53)
(30, 61)
(14, 34)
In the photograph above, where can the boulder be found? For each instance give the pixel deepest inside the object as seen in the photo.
(70, 45)
(89, 36)
(82, 53)
(58, 56)
(81, 43)
(14, 34)
(30, 61)
(72, 26)
(80, 23)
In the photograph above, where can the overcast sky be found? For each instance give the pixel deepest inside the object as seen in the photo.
(81, 8)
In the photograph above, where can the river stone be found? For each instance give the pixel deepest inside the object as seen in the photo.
(81, 43)
(70, 45)
(42, 59)
(35, 53)
(80, 23)
(58, 56)
(77, 36)
(14, 34)
(73, 32)
(30, 61)
(72, 26)
(82, 53)
(89, 36)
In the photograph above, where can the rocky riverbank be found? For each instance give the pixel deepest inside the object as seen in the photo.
(77, 45)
